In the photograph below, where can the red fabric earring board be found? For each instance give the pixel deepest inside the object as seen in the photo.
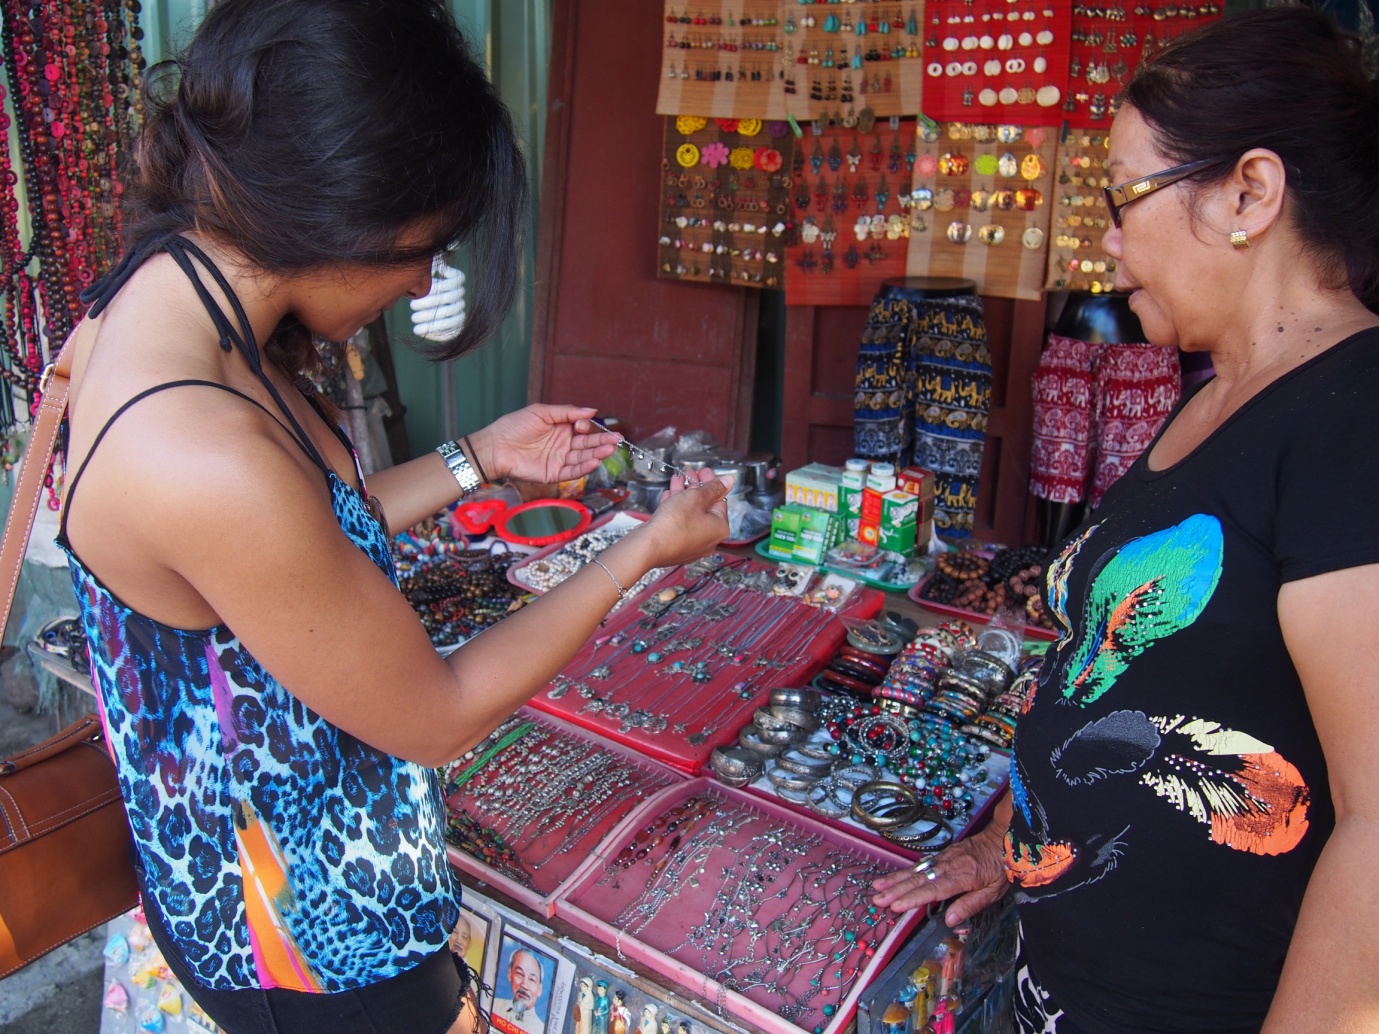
(881, 154)
(1079, 215)
(1015, 267)
(743, 211)
(1108, 44)
(964, 33)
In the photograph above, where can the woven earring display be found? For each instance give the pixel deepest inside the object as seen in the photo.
(724, 60)
(1076, 259)
(849, 198)
(843, 60)
(980, 204)
(725, 200)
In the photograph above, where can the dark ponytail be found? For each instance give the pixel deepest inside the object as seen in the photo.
(306, 133)
(1290, 81)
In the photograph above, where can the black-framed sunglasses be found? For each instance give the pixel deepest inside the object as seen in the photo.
(1119, 196)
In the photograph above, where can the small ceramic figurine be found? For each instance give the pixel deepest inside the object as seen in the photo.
(584, 1006)
(603, 1008)
(622, 1016)
(648, 1023)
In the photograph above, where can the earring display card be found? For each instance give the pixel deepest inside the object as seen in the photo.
(725, 206)
(1076, 259)
(996, 61)
(766, 913)
(1108, 44)
(851, 188)
(527, 806)
(842, 61)
(980, 204)
(749, 59)
(680, 674)
(726, 59)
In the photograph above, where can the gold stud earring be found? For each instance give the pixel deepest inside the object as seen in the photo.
(1240, 240)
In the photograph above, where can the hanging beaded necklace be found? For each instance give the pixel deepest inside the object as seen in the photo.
(73, 69)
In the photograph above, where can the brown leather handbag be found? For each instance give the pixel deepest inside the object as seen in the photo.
(66, 853)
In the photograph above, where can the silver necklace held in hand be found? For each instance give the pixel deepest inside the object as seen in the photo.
(651, 461)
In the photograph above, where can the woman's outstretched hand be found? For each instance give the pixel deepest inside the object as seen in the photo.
(542, 443)
(972, 871)
(692, 518)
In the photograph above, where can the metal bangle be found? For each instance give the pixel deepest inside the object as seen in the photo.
(792, 761)
(929, 841)
(795, 716)
(735, 763)
(780, 737)
(764, 720)
(750, 738)
(899, 805)
(791, 795)
(782, 779)
(816, 751)
(853, 775)
(802, 697)
(823, 800)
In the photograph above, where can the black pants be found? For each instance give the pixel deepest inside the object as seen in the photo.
(426, 999)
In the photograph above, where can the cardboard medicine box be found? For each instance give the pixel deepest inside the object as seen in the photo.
(802, 533)
(815, 485)
(890, 521)
(917, 481)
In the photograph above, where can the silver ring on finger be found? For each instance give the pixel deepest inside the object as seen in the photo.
(931, 875)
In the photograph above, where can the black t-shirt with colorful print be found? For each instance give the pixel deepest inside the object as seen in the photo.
(1171, 796)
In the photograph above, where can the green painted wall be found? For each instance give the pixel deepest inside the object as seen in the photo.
(515, 40)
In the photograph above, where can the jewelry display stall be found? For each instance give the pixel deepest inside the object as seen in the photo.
(683, 904)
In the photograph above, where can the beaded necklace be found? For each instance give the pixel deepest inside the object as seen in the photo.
(74, 73)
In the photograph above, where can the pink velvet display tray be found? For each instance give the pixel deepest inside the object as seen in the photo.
(976, 819)
(719, 873)
(514, 573)
(971, 616)
(561, 852)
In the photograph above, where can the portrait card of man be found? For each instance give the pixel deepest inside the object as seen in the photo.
(525, 981)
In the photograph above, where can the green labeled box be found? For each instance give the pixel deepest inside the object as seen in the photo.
(802, 533)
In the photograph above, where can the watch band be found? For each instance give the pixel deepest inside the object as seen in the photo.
(455, 459)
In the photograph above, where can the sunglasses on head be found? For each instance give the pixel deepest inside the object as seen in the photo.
(1119, 196)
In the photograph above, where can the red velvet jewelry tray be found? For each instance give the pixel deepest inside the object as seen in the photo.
(544, 861)
(667, 908)
(696, 716)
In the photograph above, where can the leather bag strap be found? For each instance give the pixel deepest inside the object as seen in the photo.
(87, 729)
(32, 473)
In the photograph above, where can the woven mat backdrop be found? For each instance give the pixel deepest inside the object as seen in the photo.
(966, 215)
(758, 59)
(725, 201)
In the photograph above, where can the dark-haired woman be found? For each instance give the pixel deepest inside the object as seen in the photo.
(1194, 817)
(273, 704)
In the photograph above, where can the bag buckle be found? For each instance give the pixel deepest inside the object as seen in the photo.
(46, 377)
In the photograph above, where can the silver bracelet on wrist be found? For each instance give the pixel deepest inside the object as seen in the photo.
(460, 467)
(622, 593)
